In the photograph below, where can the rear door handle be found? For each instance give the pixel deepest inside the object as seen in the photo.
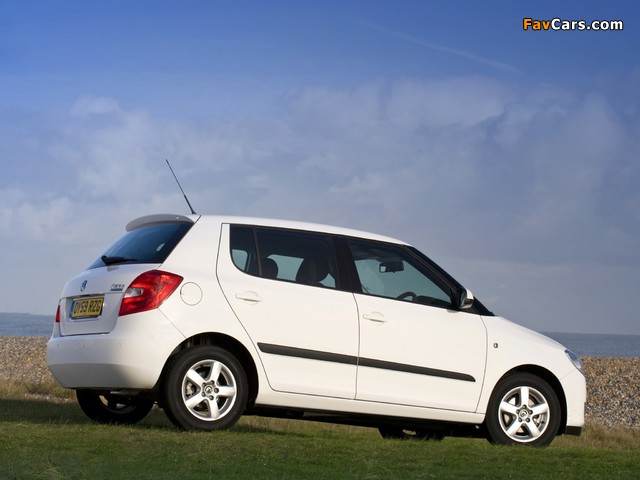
(249, 296)
(374, 317)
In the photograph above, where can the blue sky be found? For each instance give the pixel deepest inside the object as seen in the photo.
(508, 156)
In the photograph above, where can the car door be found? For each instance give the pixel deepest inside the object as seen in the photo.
(283, 286)
(415, 347)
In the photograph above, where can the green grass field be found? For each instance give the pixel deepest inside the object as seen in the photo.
(45, 436)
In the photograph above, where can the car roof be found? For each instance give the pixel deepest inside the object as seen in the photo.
(256, 221)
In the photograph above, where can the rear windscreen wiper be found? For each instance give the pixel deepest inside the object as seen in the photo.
(108, 260)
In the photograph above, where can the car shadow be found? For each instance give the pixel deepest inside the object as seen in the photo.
(45, 412)
(35, 411)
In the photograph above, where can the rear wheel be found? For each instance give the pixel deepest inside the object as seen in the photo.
(205, 388)
(523, 409)
(103, 407)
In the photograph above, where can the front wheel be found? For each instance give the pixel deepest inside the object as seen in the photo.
(103, 407)
(205, 388)
(523, 409)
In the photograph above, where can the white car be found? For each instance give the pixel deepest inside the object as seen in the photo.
(214, 317)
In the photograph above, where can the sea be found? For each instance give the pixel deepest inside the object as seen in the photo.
(583, 344)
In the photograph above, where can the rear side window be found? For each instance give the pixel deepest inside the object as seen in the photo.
(243, 249)
(146, 244)
(292, 256)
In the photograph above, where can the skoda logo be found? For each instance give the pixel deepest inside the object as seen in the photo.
(83, 286)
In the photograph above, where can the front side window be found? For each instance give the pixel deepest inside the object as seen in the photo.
(391, 271)
(278, 254)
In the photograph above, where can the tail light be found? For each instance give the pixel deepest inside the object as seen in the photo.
(58, 314)
(148, 291)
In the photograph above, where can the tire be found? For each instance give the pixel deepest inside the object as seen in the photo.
(399, 433)
(205, 388)
(523, 410)
(102, 407)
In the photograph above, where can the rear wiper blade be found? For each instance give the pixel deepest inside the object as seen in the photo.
(115, 259)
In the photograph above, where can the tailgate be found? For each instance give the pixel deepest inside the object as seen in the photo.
(91, 301)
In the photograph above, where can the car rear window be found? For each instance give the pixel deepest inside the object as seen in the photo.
(146, 244)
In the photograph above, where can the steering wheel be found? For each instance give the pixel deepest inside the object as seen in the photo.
(406, 295)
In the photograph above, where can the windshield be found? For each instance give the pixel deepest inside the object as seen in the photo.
(146, 244)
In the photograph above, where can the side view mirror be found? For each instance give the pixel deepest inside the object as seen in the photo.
(466, 299)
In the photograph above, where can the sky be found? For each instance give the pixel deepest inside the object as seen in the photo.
(508, 156)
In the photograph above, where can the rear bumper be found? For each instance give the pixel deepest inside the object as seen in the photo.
(132, 356)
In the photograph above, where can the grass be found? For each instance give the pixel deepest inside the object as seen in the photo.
(44, 435)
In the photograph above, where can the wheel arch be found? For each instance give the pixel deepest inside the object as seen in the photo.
(548, 377)
(230, 344)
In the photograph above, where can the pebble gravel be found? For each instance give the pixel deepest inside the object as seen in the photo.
(613, 383)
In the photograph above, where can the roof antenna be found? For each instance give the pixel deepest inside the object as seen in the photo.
(183, 194)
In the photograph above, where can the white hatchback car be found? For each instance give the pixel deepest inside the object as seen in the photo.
(214, 317)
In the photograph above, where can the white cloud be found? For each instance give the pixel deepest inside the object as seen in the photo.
(87, 106)
(465, 168)
(370, 148)
(465, 102)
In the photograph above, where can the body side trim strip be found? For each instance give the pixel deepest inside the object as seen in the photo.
(401, 367)
(364, 362)
(309, 354)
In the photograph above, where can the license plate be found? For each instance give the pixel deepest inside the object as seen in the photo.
(87, 307)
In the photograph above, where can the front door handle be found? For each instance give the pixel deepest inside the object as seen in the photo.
(249, 296)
